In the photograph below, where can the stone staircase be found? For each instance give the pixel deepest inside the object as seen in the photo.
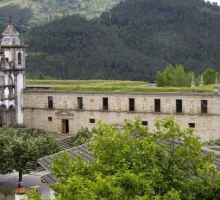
(65, 143)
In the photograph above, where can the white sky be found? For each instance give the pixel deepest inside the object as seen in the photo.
(218, 1)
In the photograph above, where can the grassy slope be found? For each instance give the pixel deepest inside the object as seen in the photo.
(114, 86)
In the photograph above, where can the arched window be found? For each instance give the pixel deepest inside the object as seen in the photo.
(3, 115)
(19, 58)
(10, 80)
(2, 80)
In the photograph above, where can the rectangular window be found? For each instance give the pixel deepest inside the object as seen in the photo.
(91, 120)
(156, 105)
(145, 123)
(50, 102)
(105, 103)
(50, 119)
(131, 104)
(204, 106)
(192, 125)
(179, 105)
(79, 103)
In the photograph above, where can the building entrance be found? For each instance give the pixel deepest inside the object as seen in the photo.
(65, 126)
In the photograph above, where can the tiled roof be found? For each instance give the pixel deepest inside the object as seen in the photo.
(49, 179)
(75, 152)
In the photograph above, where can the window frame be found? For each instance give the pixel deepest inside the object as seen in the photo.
(204, 106)
(80, 103)
(105, 103)
(50, 102)
(144, 123)
(179, 106)
(157, 105)
(131, 102)
(192, 125)
(92, 120)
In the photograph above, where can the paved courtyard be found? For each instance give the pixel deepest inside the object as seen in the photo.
(10, 181)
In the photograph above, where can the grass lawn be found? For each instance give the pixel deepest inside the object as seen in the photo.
(114, 86)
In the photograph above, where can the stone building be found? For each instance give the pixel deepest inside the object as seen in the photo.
(67, 112)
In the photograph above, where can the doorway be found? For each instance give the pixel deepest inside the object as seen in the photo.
(65, 126)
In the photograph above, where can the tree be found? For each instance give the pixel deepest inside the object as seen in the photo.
(20, 150)
(32, 195)
(210, 75)
(81, 137)
(174, 76)
(133, 163)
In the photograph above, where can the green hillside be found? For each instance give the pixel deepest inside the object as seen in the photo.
(139, 38)
(31, 13)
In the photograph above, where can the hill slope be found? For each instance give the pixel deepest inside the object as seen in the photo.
(138, 39)
(38, 12)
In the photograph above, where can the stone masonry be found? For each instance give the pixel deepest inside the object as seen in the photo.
(67, 112)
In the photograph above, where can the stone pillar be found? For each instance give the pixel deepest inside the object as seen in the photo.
(16, 99)
(201, 81)
(193, 82)
(216, 87)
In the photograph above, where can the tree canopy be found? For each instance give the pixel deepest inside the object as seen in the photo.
(174, 76)
(210, 75)
(133, 163)
(20, 150)
(81, 137)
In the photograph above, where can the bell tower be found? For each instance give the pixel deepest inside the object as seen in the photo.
(12, 77)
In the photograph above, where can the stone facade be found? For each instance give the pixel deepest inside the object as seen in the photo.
(67, 112)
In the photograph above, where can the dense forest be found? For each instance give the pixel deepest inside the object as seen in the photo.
(133, 41)
(30, 13)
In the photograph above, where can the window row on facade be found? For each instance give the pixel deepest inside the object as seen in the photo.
(131, 105)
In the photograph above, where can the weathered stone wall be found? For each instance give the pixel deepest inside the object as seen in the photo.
(38, 115)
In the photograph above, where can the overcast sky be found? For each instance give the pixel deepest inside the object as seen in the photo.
(218, 1)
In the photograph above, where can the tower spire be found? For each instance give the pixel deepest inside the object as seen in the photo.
(9, 20)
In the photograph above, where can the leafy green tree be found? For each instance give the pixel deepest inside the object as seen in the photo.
(210, 75)
(33, 195)
(133, 163)
(174, 76)
(81, 137)
(20, 150)
(212, 143)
